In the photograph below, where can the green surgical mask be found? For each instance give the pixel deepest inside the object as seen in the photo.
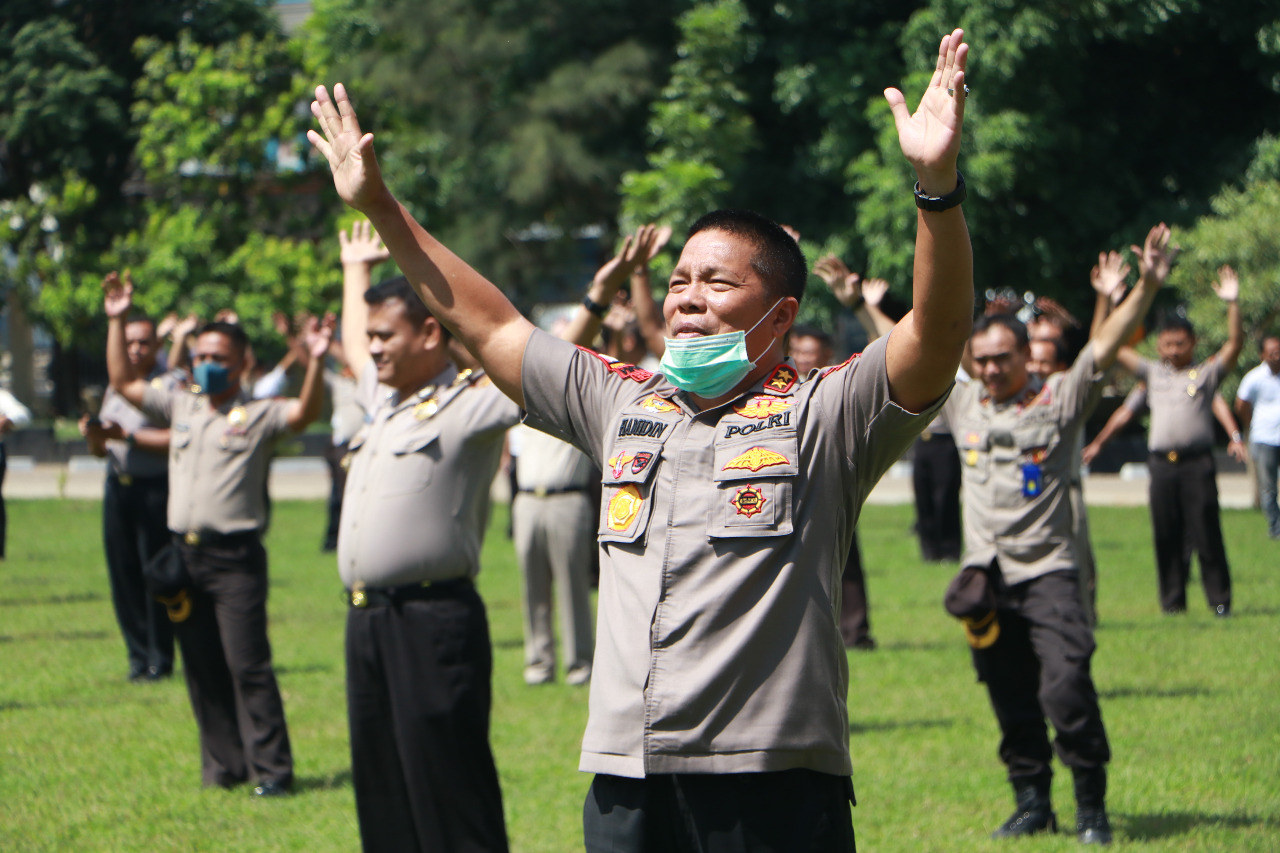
(709, 366)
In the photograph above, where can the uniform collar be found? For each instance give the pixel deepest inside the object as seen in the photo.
(443, 379)
(780, 381)
(1028, 393)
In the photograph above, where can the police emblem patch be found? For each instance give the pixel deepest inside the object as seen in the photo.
(654, 403)
(754, 459)
(641, 461)
(624, 506)
(618, 464)
(238, 417)
(749, 500)
(781, 379)
(762, 406)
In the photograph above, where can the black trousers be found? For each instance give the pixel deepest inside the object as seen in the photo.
(133, 531)
(226, 658)
(855, 624)
(334, 455)
(1184, 512)
(935, 476)
(790, 810)
(4, 516)
(1039, 668)
(418, 698)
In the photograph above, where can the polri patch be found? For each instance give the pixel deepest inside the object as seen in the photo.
(749, 500)
(624, 506)
(762, 406)
(654, 403)
(755, 459)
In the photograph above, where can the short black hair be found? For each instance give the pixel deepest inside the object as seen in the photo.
(1059, 349)
(398, 287)
(814, 332)
(233, 331)
(778, 259)
(139, 317)
(1010, 322)
(1269, 336)
(1176, 323)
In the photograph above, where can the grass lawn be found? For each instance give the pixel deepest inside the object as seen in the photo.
(89, 762)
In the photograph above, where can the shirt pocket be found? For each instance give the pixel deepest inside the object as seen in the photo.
(234, 442)
(416, 457)
(627, 480)
(755, 486)
(1035, 441)
(974, 447)
(179, 439)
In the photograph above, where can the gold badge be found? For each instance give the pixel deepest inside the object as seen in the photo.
(1193, 373)
(619, 463)
(1191, 390)
(971, 458)
(358, 596)
(624, 506)
(158, 383)
(755, 459)
(749, 500)
(654, 403)
(426, 409)
(760, 407)
(238, 416)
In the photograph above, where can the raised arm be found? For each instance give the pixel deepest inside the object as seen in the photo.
(182, 332)
(117, 300)
(476, 311)
(874, 291)
(1119, 419)
(361, 250)
(926, 345)
(585, 323)
(1107, 278)
(1155, 259)
(648, 312)
(306, 408)
(1228, 289)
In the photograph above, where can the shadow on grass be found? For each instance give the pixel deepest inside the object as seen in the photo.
(303, 669)
(898, 725)
(54, 635)
(917, 647)
(70, 598)
(514, 643)
(1154, 693)
(1155, 826)
(341, 779)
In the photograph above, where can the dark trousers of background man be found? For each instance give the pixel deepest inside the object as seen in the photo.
(855, 624)
(1185, 512)
(418, 699)
(133, 531)
(4, 516)
(226, 658)
(1039, 668)
(935, 476)
(333, 456)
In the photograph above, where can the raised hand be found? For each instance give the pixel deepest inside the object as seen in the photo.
(117, 296)
(1108, 275)
(1228, 284)
(845, 286)
(930, 137)
(356, 175)
(187, 325)
(1053, 309)
(1155, 256)
(317, 334)
(874, 290)
(660, 238)
(361, 245)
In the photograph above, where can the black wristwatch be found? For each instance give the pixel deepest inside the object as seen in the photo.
(939, 203)
(595, 307)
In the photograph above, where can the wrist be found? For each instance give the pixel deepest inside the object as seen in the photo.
(1237, 437)
(596, 308)
(940, 195)
(938, 182)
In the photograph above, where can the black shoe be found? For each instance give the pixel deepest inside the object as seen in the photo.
(1092, 826)
(864, 644)
(271, 788)
(1034, 812)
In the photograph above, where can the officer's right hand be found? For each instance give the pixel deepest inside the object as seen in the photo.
(356, 175)
(117, 298)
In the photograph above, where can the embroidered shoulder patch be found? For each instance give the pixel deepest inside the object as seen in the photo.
(848, 361)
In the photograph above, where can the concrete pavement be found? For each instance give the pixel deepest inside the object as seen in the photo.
(307, 478)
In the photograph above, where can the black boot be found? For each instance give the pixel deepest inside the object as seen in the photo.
(1092, 826)
(1034, 812)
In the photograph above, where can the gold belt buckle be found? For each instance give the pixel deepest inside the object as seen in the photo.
(358, 597)
(192, 538)
(125, 480)
(540, 491)
(1172, 456)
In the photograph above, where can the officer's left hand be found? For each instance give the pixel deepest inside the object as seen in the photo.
(930, 138)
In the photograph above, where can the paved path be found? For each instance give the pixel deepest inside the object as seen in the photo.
(307, 478)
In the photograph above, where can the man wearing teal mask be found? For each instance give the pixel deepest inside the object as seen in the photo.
(730, 493)
(220, 448)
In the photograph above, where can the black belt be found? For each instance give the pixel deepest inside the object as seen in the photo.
(543, 491)
(135, 480)
(390, 596)
(1176, 456)
(214, 539)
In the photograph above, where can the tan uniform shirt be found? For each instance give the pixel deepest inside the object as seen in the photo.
(417, 497)
(218, 458)
(1181, 404)
(124, 459)
(1027, 525)
(547, 463)
(723, 535)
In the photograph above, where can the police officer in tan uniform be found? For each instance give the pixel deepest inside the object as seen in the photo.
(731, 491)
(1184, 478)
(419, 660)
(1018, 439)
(219, 449)
(135, 495)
